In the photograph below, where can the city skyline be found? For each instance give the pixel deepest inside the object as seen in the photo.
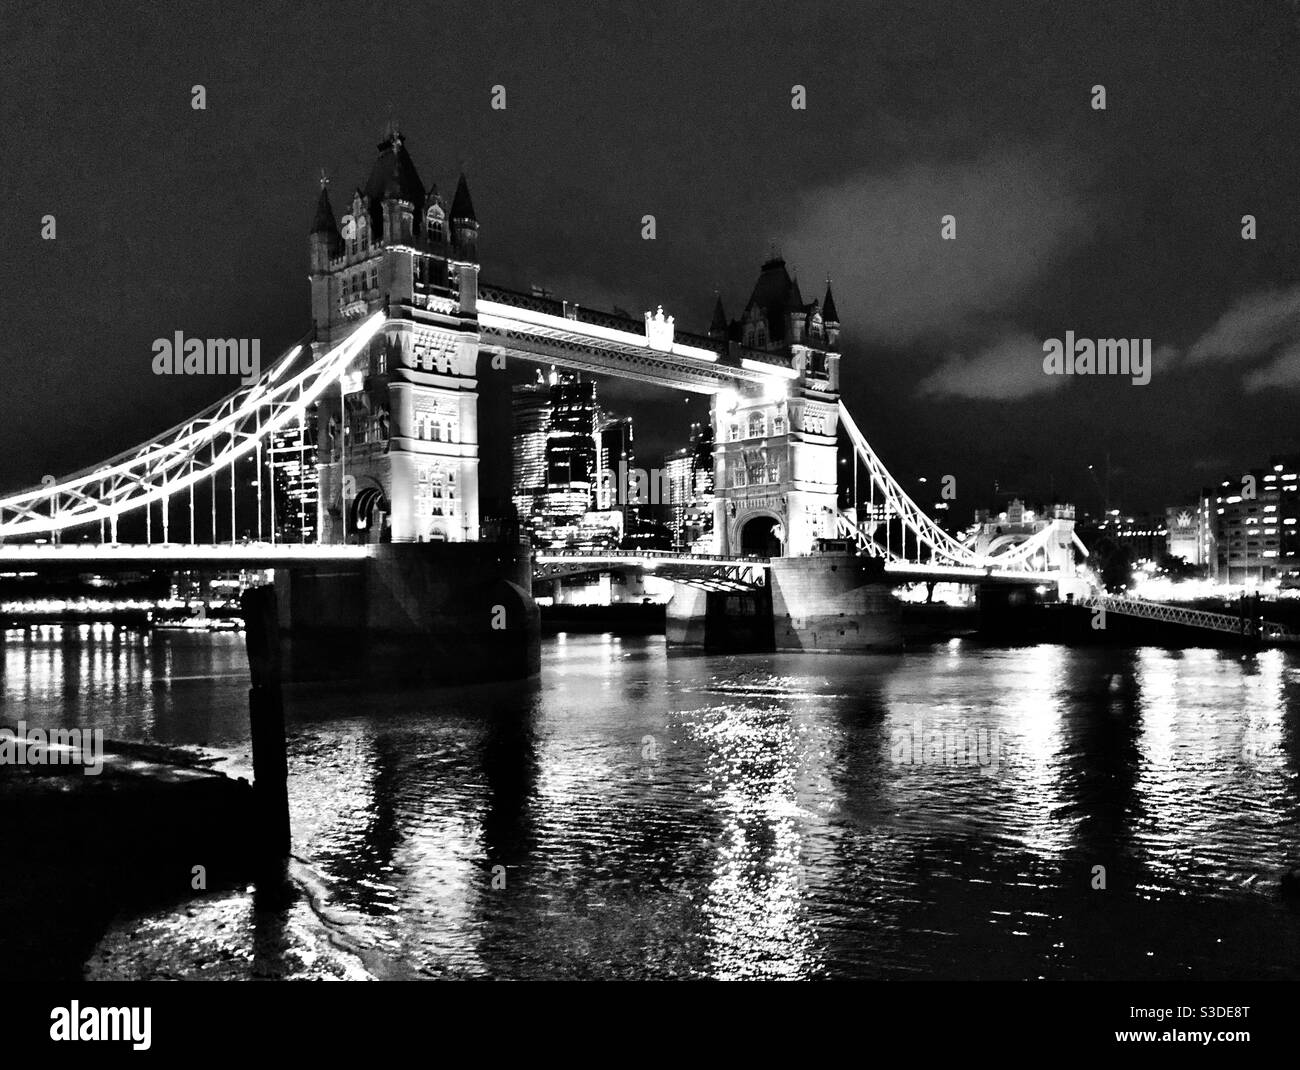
(1055, 233)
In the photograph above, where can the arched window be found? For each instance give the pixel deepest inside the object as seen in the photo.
(434, 224)
(733, 433)
(757, 425)
(760, 335)
(778, 425)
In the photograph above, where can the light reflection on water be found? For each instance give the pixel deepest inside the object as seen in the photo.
(763, 829)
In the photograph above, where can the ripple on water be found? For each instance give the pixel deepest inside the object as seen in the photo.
(637, 814)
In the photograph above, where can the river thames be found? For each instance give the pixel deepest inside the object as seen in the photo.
(958, 811)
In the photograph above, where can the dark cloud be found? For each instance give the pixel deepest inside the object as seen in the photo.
(1284, 371)
(1009, 369)
(1017, 213)
(1252, 327)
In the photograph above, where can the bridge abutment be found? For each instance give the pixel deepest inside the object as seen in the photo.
(719, 621)
(834, 602)
(442, 612)
(822, 602)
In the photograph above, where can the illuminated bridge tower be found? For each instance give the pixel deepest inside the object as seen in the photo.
(775, 473)
(398, 444)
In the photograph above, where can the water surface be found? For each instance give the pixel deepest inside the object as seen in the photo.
(633, 813)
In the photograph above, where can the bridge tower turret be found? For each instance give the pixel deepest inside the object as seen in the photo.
(324, 238)
(464, 223)
(719, 328)
(464, 238)
(830, 317)
(398, 443)
(775, 471)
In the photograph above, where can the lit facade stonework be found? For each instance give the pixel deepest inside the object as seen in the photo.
(398, 446)
(398, 449)
(774, 446)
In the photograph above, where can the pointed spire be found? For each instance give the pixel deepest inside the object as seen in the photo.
(324, 223)
(393, 175)
(719, 324)
(829, 315)
(795, 300)
(461, 205)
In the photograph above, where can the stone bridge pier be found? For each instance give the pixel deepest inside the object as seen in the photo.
(441, 612)
(826, 601)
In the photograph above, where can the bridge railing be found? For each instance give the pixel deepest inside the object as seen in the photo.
(1195, 618)
(623, 555)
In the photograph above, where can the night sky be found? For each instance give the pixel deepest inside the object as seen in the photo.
(1117, 223)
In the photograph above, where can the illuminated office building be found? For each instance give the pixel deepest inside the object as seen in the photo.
(295, 481)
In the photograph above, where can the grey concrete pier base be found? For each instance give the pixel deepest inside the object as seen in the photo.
(833, 602)
(684, 619)
(732, 622)
(441, 612)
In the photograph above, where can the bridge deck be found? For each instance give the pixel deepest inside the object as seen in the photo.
(746, 570)
(178, 555)
(572, 562)
(557, 332)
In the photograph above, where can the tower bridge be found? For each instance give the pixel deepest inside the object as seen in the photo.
(401, 327)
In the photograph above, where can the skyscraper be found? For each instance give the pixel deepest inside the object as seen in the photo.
(294, 480)
(557, 453)
(689, 473)
(613, 448)
(570, 448)
(531, 411)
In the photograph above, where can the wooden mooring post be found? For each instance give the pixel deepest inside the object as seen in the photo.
(266, 716)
